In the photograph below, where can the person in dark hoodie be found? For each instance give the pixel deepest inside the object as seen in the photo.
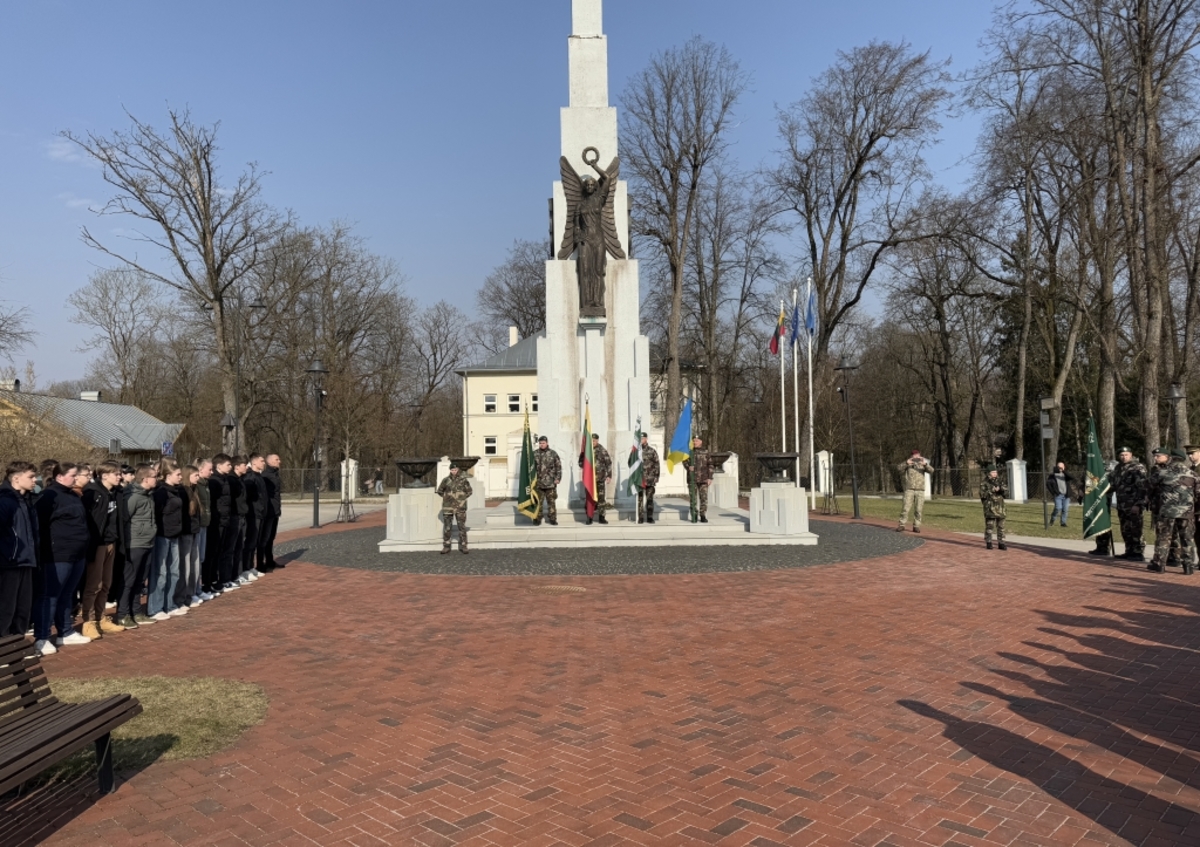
(224, 519)
(18, 547)
(121, 495)
(170, 522)
(63, 531)
(241, 506)
(258, 505)
(139, 535)
(266, 541)
(104, 530)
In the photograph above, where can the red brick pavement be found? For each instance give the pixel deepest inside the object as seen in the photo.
(946, 696)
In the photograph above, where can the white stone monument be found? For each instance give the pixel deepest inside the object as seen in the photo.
(349, 480)
(824, 481)
(1018, 490)
(779, 508)
(602, 360)
(723, 492)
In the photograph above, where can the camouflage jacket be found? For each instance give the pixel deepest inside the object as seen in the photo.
(913, 476)
(992, 493)
(603, 463)
(699, 466)
(650, 466)
(1129, 483)
(1173, 491)
(549, 468)
(454, 491)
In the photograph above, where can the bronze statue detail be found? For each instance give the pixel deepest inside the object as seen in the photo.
(591, 230)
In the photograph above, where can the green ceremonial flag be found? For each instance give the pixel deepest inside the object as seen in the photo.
(634, 482)
(528, 498)
(1096, 520)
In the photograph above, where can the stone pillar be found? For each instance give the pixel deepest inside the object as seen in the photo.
(723, 492)
(824, 480)
(413, 516)
(778, 508)
(1018, 483)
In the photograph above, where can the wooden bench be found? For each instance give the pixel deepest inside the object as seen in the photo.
(37, 731)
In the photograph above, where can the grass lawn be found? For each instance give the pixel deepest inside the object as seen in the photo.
(182, 718)
(967, 516)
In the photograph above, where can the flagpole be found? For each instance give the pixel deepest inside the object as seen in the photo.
(795, 345)
(812, 456)
(782, 395)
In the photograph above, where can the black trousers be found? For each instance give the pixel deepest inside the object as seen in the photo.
(16, 599)
(210, 568)
(250, 542)
(231, 535)
(266, 540)
(134, 577)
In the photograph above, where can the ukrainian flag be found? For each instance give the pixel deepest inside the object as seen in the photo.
(681, 442)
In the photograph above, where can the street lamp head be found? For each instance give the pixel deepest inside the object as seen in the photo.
(846, 364)
(256, 303)
(317, 369)
(1175, 394)
(228, 421)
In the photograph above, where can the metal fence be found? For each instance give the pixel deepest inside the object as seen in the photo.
(298, 482)
(947, 482)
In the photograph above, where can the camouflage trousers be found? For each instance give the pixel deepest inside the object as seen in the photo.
(702, 498)
(1174, 537)
(1131, 529)
(993, 526)
(646, 503)
(549, 508)
(601, 506)
(448, 519)
(913, 499)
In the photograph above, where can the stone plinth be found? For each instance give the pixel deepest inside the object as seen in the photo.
(1018, 483)
(723, 491)
(778, 508)
(413, 516)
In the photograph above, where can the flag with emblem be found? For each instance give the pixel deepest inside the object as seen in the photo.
(1096, 519)
(528, 498)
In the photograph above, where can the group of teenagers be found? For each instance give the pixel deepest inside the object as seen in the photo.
(78, 541)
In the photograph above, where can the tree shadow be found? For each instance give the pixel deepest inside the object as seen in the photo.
(45, 804)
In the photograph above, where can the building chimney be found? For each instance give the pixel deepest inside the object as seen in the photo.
(90, 396)
(13, 385)
(513, 338)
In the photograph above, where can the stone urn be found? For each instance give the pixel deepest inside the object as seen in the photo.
(464, 463)
(416, 470)
(777, 465)
(718, 460)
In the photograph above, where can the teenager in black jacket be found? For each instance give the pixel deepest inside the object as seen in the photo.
(258, 505)
(18, 548)
(224, 518)
(170, 521)
(266, 538)
(104, 530)
(62, 525)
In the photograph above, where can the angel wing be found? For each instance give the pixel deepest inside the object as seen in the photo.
(573, 188)
(612, 241)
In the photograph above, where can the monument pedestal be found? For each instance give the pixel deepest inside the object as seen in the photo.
(723, 491)
(413, 515)
(1018, 491)
(778, 508)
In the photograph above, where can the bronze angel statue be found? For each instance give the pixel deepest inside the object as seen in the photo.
(591, 230)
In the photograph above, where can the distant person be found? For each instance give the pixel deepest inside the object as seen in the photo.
(992, 493)
(19, 540)
(455, 491)
(1060, 485)
(379, 480)
(651, 469)
(700, 473)
(912, 478)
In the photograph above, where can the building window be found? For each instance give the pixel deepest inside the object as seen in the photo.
(489, 444)
(514, 403)
(533, 404)
(489, 404)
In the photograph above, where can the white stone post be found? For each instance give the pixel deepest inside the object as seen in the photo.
(1018, 483)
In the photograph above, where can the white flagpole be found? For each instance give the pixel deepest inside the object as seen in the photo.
(812, 456)
(782, 393)
(796, 389)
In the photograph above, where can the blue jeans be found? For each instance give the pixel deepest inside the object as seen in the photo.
(164, 575)
(1061, 503)
(58, 599)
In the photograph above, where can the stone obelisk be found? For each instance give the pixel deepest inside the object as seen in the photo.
(604, 361)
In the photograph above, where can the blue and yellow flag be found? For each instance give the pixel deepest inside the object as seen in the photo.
(681, 441)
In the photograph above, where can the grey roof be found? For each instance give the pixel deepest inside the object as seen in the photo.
(522, 356)
(99, 423)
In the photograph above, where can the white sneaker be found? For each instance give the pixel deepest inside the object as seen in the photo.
(205, 595)
(195, 601)
(75, 638)
(109, 607)
(44, 647)
(230, 586)
(256, 573)
(244, 580)
(178, 612)
(161, 616)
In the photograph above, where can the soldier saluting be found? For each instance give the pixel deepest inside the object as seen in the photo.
(1129, 482)
(455, 491)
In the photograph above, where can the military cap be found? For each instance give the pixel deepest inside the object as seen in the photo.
(1161, 451)
(1124, 450)
(1190, 448)
(1178, 454)
(595, 436)
(542, 438)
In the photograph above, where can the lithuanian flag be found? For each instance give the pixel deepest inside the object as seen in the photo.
(780, 330)
(588, 454)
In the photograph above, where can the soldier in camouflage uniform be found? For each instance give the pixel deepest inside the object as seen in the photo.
(912, 473)
(700, 473)
(650, 474)
(1173, 494)
(549, 475)
(992, 493)
(603, 466)
(1128, 482)
(454, 490)
(1161, 457)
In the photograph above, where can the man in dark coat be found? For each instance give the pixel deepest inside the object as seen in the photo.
(266, 539)
(18, 548)
(257, 506)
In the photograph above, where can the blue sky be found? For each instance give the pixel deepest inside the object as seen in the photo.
(431, 126)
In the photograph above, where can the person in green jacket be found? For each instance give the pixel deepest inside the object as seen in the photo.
(141, 532)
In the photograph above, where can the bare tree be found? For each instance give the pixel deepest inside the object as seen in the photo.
(676, 117)
(210, 233)
(514, 294)
(15, 333)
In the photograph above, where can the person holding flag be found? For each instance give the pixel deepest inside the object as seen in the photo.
(1128, 480)
(681, 450)
(528, 498)
(700, 474)
(643, 476)
(1097, 523)
(597, 469)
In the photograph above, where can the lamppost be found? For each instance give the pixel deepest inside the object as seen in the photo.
(239, 311)
(317, 371)
(1176, 396)
(846, 366)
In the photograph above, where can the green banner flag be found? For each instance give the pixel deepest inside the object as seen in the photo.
(528, 498)
(1096, 520)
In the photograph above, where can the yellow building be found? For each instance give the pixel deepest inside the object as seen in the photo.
(496, 393)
